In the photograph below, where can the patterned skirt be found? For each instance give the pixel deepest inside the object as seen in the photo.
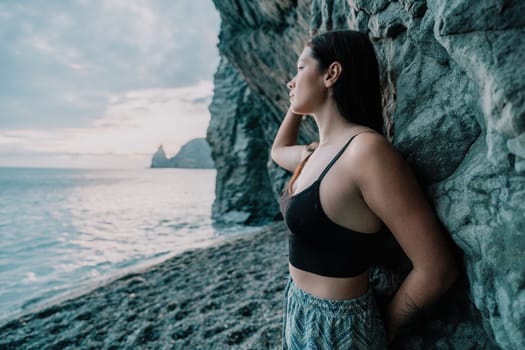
(312, 323)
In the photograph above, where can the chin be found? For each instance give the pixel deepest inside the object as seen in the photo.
(298, 110)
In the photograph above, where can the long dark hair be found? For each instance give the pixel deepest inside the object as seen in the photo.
(356, 92)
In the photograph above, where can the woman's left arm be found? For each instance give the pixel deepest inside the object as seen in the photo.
(391, 190)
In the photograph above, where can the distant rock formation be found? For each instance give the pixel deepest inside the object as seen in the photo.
(195, 154)
(453, 85)
(160, 160)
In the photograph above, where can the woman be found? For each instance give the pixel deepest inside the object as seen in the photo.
(344, 189)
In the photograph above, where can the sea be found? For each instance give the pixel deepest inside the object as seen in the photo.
(64, 232)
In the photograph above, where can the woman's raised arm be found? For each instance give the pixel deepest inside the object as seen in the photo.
(285, 150)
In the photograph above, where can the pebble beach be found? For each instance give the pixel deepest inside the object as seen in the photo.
(227, 296)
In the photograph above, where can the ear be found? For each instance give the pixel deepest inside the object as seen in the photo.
(332, 74)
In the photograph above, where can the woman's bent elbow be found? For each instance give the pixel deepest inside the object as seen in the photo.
(446, 275)
(274, 154)
(438, 277)
(450, 275)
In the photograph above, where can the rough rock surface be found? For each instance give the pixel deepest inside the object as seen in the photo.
(240, 152)
(453, 84)
(195, 154)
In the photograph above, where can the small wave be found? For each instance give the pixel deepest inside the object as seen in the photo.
(30, 277)
(159, 254)
(224, 230)
(179, 226)
(41, 299)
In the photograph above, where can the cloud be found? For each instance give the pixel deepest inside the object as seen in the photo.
(134, 123)
(51, 50)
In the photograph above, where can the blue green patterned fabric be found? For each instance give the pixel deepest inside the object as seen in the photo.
(312, 323)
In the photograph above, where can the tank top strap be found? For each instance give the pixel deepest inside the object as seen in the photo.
(341, 151)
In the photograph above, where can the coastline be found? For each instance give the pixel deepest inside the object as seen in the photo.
(225, 296)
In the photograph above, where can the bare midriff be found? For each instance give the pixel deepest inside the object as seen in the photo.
(335, 288)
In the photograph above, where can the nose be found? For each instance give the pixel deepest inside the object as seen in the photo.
(291, 84)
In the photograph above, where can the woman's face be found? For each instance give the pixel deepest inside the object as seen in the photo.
(307, 89)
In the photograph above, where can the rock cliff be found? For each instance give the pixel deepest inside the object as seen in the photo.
(453, 84)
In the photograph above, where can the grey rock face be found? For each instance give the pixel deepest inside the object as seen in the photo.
(236, 135)
(487, 40)
(453, 81)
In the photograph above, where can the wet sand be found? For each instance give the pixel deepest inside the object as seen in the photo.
(228, 296)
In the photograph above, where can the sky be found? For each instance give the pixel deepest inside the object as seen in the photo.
(102, 83)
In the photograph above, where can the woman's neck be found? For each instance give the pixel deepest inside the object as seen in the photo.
(332, 125)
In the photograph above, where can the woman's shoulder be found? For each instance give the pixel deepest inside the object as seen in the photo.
(371, 150)
(368, 143)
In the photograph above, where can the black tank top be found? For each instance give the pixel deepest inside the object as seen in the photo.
(319, 245)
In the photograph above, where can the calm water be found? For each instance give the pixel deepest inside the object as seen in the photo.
(65, 230)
